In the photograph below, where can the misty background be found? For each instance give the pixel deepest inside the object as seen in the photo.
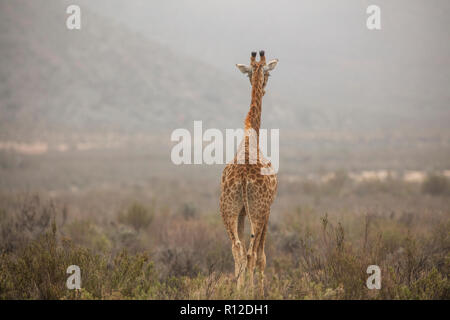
(97, 106)
(86, 176)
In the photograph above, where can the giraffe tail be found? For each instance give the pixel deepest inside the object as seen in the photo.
(245, 197)
(247, 211)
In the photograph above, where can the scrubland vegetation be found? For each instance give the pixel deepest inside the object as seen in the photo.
(321, 239)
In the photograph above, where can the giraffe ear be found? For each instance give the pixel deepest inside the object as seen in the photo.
(244, 69)
(271, 65)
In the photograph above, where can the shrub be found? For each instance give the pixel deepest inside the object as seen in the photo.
(38, 271)
(28, 219)
(337, 182)
(188, 211)
(87, 234)
(137, 216)
(436, 185)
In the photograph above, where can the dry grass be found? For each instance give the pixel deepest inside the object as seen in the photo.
(319, 250)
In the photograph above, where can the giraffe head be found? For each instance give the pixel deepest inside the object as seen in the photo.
(258, 71)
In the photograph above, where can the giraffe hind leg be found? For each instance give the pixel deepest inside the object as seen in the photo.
(235, 232)
(252, 251)
(241, 227)
(261, 259)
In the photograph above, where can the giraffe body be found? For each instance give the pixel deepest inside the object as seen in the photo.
(249, 185)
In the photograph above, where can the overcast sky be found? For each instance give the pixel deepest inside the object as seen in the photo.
(323, 46)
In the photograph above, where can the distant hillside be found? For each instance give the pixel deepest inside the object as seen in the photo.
(104, 78)
(110, 78)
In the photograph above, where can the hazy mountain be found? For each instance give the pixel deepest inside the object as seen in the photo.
(103, 78)
(147, 66)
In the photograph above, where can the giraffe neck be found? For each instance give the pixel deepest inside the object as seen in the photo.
(253, 119)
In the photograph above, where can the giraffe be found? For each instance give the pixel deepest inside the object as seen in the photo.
(249, 184)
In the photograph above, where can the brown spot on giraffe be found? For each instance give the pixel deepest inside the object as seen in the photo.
(249, 183)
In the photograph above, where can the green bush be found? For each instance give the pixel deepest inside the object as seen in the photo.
(87, 234)
(137, 216)
(39, 272)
